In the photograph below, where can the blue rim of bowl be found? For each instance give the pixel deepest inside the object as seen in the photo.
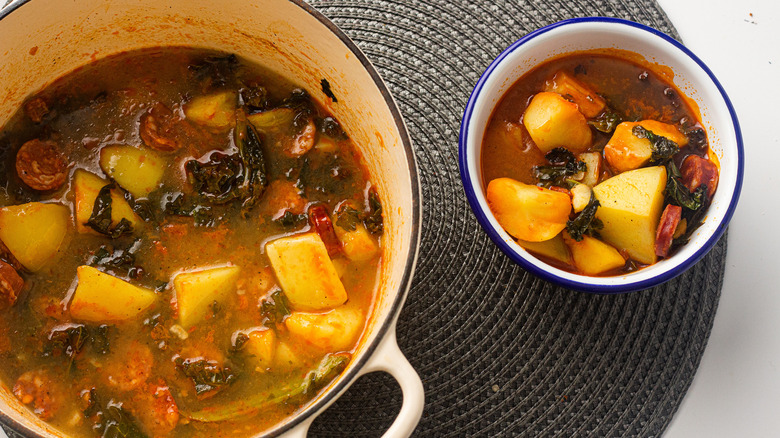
(578, 285)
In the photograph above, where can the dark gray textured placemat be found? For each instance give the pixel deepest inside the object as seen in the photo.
(500, 352)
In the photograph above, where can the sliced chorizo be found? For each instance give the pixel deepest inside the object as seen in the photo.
(41, 165)
(36, 109)
(11, 285)
(130, 367)
(664, 235)
(303, 141)
(156, 409)
(161, 129)
(696, 171)
(40, 391)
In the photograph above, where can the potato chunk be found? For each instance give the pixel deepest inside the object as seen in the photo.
(553, 121)
(102, 297)
(87, 186)
(358, 245)
(137, 169)
(592, 256)
(554, 248)
(631, 205)
(625, 151)
(214, 110)
(589, 103)
(336, 330)
(34, 232)
(261, 346)
(305, 272)
(196, 291)
(592, 162)
(527, 212)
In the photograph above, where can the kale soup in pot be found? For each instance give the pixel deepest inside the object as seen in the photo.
(209, 220)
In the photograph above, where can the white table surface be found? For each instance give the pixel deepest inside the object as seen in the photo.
(736, 391)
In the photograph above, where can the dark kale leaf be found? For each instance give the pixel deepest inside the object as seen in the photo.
(663, 148)
(111, 420)
(676, 192)
(290, 219)
(300, 102)
(275, 308)
(68, 340)
(372, 220)
(253, 97)
(563, 164)
(331, 127)
(206, 375)
(347, 218)
(253, 177)
(217, 179)
(327, 90)
(204, 216)
(240, 342)
(585, 223)
(694, 204)
(116, 259)
(215, 71)
(607, 121)
(100, 219)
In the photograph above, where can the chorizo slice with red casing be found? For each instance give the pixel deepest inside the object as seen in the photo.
(11, 285)
(160, 128)
(320, 221)
(39, 390)
(41, 165)
(664, 235)
(696, 171)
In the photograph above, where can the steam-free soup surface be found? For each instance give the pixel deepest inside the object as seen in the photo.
(191, 248)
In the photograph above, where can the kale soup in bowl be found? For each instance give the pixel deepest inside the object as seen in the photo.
(209, 220)
(601, 154)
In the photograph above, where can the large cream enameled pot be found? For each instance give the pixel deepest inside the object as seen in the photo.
(40, 40)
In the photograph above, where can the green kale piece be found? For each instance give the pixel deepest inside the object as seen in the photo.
(372, 220)
(607, 121)
(100, 219)
(206, 375)
(563, 164)
(347, 218)
(663, 149)
(585, 223)
(275, 308)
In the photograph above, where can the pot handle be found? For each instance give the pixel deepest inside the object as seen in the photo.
(389, 358)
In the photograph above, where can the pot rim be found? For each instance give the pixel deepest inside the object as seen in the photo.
(355, 367)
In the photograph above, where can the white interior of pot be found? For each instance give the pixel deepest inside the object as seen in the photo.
(274, 33)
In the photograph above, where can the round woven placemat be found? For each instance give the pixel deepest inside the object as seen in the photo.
(501, 352)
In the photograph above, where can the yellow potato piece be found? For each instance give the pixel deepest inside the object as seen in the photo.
(358, 244)
(34, 232)
(554, 248)
(196, 291)
(137, 169)
(592, 162)
(101, 297)
(288, 356)
(625, 151)
(261, 346)
(334, 331)
(631, 206)
(553, 121)
(592, 256)
(527, 212)
(305, 272)
(87, 186)
(589, 103)
(214, 110)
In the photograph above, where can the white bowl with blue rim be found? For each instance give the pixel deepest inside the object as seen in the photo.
(690, 75)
